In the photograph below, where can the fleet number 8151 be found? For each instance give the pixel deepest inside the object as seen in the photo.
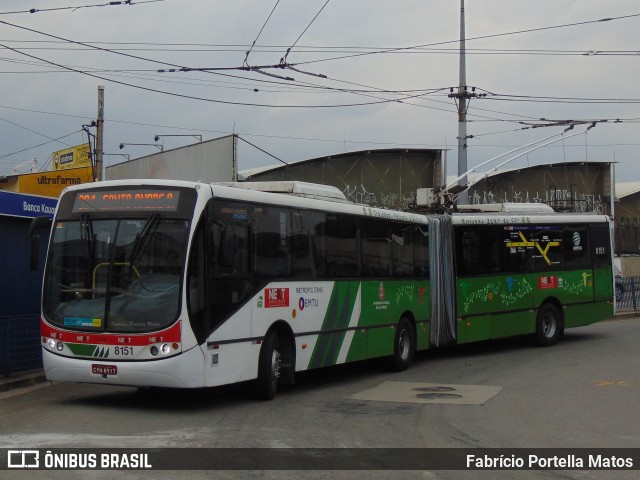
(123, 351)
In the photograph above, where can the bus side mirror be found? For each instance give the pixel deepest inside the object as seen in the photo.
(36, 224)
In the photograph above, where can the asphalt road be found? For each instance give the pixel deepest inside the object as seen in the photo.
(582, 393)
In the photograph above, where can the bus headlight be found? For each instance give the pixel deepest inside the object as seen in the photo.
(53, 345)
(166, 349)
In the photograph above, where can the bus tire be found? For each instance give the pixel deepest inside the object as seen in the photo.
(404, 346)
(269, 366)
(548, 325)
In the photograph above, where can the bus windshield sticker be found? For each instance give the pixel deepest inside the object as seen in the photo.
(83, 322)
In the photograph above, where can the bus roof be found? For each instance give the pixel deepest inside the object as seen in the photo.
(293, 187)
(325, 198)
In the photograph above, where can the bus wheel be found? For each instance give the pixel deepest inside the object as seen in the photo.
(269, 365)
(548, 325)
(404, 346)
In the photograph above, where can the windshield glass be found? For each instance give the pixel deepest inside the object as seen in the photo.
(117, 275)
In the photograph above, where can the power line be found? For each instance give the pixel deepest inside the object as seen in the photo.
(183, 69)
(547, 99)
(257, 69)
(51, 140)
(108, 4)
(229, 48)
(191, 97)
(482, 37)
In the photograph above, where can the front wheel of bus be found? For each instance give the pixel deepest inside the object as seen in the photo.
(269, 365)
(404, 347)
(548, 325)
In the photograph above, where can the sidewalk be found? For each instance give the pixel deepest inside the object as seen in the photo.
(22, 380)
(626, 314)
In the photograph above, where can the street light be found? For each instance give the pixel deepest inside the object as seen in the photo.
(160, 147)
(157, 137)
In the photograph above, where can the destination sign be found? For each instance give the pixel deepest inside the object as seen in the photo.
(143, 199)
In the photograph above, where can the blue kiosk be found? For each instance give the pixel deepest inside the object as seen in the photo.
(21, 287)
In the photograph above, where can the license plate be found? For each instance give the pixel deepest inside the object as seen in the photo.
(104, 369)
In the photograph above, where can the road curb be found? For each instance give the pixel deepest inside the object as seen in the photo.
(22, 381)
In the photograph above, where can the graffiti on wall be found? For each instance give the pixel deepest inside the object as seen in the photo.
(360, 194)
(627, 237)
(568, 199)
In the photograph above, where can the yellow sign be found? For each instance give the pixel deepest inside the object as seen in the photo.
(51, 184)
(72, 157)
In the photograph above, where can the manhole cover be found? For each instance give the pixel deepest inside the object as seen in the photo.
(435, 389)
(435, 395)
(409, 392)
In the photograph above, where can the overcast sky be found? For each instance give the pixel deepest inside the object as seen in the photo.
(389, 66)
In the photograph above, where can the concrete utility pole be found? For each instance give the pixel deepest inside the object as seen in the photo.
(99, 134)
(462, 109)
(462, 97)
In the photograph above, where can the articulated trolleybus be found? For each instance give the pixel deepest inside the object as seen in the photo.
(184, 285)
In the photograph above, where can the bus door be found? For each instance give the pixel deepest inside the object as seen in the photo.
(600, 244)
(219, 279)
(230, 281)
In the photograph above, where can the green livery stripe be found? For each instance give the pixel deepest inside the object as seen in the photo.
(81, 350)
(337, 317)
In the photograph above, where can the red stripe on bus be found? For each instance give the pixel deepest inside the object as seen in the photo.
(171, 334)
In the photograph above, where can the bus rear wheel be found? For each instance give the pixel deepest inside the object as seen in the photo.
(548, 325)
(269, 367)
(404, 346)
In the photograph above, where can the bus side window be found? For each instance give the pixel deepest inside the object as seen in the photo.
(302, 244)
(272, 242)
(516, 255)
(470, 258)
(341, 247)
(227, 248)
(402, 250)
(575, 248)
(419, 238)
(549, 244)
(600, 241)
(376, 248)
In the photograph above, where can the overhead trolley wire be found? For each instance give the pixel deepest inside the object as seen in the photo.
(259, 33)
(283, 60)
(77, 7)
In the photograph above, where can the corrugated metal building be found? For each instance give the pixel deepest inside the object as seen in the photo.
(385, 178)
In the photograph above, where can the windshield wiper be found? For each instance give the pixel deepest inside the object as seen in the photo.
(142, 235)
(86, 229)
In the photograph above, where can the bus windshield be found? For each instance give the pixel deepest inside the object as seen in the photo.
(115, 274)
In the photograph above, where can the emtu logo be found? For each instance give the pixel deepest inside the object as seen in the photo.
(577, 242)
